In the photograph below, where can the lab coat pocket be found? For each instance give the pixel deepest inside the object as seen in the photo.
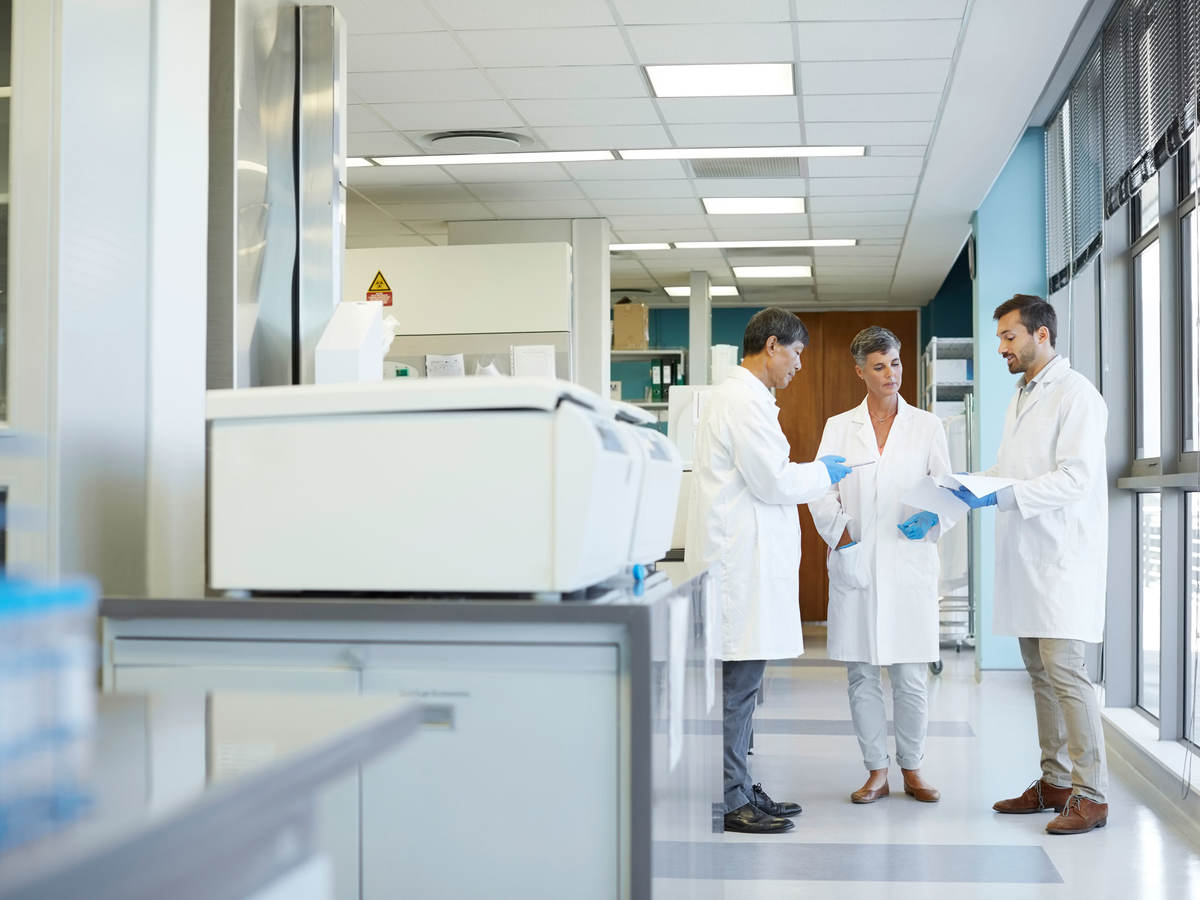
(848, 568)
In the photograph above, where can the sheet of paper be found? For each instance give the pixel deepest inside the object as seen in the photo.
(439, 365)
(929, 495)
(533, 359)
(979, 485)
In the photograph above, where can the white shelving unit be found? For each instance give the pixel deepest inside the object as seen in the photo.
(934, 389)
(647, 355)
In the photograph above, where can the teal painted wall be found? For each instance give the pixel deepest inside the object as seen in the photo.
(1010, 258)
(951, 311)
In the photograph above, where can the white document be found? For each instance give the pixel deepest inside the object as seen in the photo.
(979, 485)
(929, 495)
(533, 359)
(445, 366)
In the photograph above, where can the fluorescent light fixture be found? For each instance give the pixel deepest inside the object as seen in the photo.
(752, 206)
(354, 162)
(750, 245)
(480, 159)
(713, 291)
(740, 152)
(772, 271)
(736, 80)
(615, 247)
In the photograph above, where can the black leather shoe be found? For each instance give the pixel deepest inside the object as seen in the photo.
(771, 807)
(749, 819)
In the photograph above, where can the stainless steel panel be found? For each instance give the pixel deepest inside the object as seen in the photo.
(322, 175)
(252, 208)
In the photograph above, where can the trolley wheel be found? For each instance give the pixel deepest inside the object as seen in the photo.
(936, 667)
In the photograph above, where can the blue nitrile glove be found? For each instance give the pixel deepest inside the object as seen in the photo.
(836, 470)
(971, 500)
(917, 526)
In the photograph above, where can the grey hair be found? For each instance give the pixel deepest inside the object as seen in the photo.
(873, 339)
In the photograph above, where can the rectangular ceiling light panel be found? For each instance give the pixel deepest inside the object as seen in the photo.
(354, 162)
(478, 159)
(755, 245)
(732, 80)
(715, 290)
(752, 206)
(772, 271)
(740, 152)
(613, 248)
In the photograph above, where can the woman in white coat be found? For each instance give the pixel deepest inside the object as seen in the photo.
(883, 562)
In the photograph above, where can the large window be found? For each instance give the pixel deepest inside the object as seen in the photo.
(1149, 345)
(5, 104)
(1190, 251)
(1192, 686)
(1149, 600)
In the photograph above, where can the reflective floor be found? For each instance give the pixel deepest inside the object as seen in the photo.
(982, 747)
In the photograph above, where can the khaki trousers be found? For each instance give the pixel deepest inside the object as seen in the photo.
(1068, 716)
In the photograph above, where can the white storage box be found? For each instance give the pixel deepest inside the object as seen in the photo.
(660, 473)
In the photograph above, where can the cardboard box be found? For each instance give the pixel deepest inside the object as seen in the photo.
(631, 326)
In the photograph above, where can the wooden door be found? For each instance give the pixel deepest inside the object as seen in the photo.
(825, 386)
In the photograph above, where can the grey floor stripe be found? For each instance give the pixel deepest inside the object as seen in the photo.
(784, 861)
(822, 727)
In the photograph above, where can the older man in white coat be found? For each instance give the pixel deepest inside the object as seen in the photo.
(1051, 552)
(745, 528)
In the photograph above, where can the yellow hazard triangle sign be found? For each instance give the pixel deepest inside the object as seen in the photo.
(379, 284)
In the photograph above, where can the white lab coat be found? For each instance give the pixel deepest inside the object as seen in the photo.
(1052, 543)
(743, 523)
(883, 592)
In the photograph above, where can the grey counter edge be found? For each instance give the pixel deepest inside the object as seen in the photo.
(253, 805)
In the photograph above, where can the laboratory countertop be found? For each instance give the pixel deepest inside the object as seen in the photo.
(199, 787)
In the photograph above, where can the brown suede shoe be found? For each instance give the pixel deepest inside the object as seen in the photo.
(1080, 815)
(1039, 796)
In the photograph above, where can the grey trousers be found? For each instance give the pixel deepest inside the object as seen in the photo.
(740, 681)
(1068, 716)
(909, 707)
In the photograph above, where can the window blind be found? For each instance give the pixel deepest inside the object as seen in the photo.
(1087, 160)
(1058, 200)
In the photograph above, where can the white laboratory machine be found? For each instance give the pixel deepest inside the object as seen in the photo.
(659, 480)
(479, 485)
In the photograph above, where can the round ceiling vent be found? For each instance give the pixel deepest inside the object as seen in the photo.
(475, 141)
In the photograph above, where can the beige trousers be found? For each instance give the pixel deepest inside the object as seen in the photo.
(1068, 716)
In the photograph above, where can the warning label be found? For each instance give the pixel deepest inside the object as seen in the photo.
(380, 290)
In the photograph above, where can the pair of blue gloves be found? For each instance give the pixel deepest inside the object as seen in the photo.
(914, 527)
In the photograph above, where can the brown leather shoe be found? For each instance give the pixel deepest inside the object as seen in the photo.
(1038, 797)
(915, 787)
(1080, 815)
(868, 794)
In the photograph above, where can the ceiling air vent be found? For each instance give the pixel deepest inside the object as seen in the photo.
(474, 141)
(747, 168)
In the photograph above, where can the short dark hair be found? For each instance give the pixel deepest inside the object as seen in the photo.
(1035, 312)
(872, 339)
(784, 326)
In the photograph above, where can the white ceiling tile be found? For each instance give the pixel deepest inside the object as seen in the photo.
(513, 172)
(382, 239)
(429, 85)
(734, 43)
(645, 223)
(868, 203)
(537, 190)
(378, 143)
(626, 169)
(603, 113)
(871, 107)
(362, 118)
(836, 187)
(621, 190)
(760, 232)
(861, 231)
(774, 259)
(873, 286)
(386, 17)
(898, 150)
(427, 226)
(367, 178)
(443, 211)
(917, 76)
(635, 235)
(670, 12)
(468, 14)
(685, 110)
(865, 166)
(774, 222)
(419, 193)
(604, 138)
(627, 265)
(820, 10)
(851, 220)
(731, 135)
(687, 257)
(751, 187)
(468, 114)
(424, 50)
(656, 206)
(570, 82)
(547, 46)
(869, 133)
(926, 39)
(365, 215)
(543, 209)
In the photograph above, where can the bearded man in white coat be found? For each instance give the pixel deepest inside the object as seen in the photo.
(1051, 559)
(744, 527)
